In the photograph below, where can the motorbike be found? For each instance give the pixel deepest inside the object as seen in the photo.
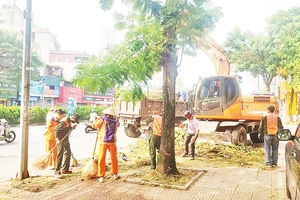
(8, 135)
(88, 127)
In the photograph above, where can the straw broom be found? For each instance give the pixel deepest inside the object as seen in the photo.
(42, 162)
(74, 161)
(90, 170)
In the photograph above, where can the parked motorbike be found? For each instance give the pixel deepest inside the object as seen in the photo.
(88, 127)
(8, 135)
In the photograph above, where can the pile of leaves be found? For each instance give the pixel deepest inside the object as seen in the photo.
(217, 153)
(223, 154)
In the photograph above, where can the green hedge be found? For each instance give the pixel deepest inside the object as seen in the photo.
(38, 114)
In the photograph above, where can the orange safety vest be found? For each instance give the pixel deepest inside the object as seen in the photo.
(272, 123)
(50, 125)
(157, 125)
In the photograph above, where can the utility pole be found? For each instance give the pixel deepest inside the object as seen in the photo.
(25, 104)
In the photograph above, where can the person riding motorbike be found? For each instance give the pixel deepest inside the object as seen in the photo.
(88, 126)
(2, 123)
(93, 116)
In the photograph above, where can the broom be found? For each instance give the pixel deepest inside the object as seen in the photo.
(90, 170)
(74, 161)
(42, 162)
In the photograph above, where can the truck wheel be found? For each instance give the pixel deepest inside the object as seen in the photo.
(132, 132)
(255, 139)
(239, 135)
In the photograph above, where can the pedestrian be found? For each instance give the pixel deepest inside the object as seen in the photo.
(93, 116)
(268, 127)
(107, 127)
(50, 114)
(64, 149)
(49, 136)
(191, 134)
(155, 137)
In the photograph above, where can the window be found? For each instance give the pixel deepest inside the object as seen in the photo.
(51, 87)
(230, 89)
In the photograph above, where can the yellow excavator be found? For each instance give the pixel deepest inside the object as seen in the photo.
(219, 98)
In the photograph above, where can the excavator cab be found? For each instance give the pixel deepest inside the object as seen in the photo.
(215, 94)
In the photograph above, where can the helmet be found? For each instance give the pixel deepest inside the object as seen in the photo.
(188, 113)
(3, 121)
(92, 110)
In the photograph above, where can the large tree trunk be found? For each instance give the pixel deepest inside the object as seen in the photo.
(167, 163)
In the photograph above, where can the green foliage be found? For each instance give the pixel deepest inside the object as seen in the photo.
(253, 53)
(264, 54)
(11, 50)
(141, 53)
(106, 4)
(37, 114)
(11, 114)
(284, 26)
(84, 111)
(134, 61)
(179, 137)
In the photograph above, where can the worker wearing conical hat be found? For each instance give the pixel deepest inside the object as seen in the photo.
(107, 127)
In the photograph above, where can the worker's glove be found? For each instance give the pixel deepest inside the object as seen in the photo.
(260, 136)
(74, 126)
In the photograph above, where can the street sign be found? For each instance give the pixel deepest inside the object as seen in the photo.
(71, 106)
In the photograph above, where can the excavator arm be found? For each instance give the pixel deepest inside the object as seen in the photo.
(215, 52)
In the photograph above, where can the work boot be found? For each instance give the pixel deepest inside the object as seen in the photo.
(66, 172)
(184, 154)
(100, 179)
(116, 176)
(57, 175)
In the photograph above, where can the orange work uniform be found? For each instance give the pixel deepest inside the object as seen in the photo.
(106, 142)
(50, 140)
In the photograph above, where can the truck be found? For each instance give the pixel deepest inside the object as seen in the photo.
(216, 98)
(133, 116)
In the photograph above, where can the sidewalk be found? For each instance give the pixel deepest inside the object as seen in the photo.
(218, 183)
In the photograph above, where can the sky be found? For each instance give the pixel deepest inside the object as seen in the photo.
(77, 24)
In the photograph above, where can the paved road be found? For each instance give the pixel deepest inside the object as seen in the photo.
(82, 146)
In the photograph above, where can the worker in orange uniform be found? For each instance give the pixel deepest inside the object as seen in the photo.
(49, 136)
(268, 127)
(155, 137)
(107, 127)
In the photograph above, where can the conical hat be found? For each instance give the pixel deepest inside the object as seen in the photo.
(110, 111)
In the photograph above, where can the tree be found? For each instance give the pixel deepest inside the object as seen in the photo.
(254, 53)
(284, 26)
(155, 33)
(11, 55)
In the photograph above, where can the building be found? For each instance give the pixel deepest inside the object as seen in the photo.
(11, 18)
(43, 42)
(67, 60)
